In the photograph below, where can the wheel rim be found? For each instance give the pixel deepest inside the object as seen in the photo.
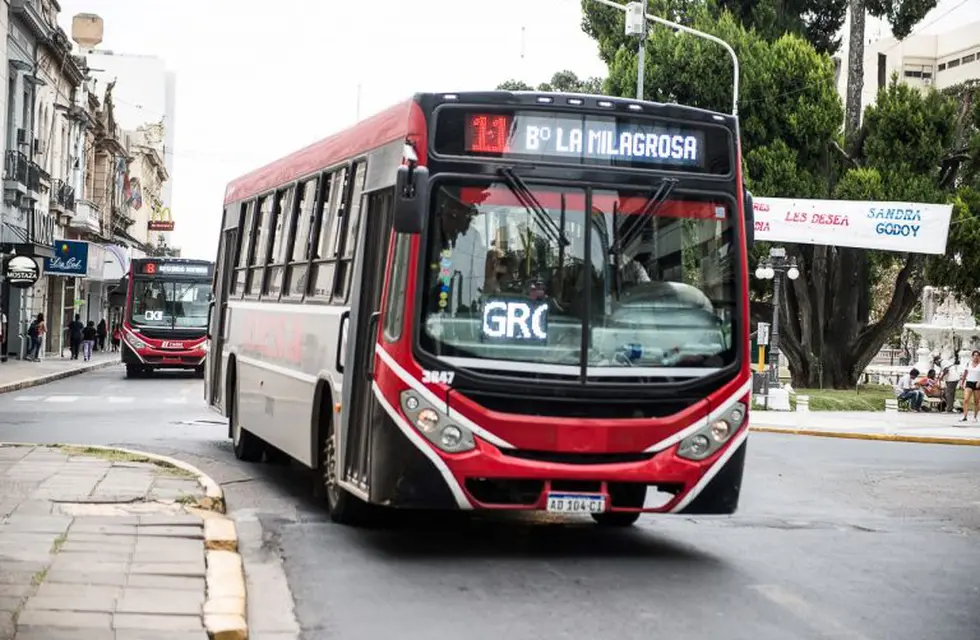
(330, 471)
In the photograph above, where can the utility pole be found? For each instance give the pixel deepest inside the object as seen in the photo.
(679, 27)
(636, 25)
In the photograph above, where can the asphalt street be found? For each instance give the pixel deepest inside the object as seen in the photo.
(835, 539)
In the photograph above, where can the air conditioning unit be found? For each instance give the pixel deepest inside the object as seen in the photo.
(40, 146)
(927, 82)
(22, 136)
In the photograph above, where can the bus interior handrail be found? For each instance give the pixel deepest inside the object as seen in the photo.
(694, 32)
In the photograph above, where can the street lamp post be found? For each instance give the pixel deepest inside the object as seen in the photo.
(773, 269)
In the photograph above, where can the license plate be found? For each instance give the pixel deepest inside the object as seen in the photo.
(576, 503)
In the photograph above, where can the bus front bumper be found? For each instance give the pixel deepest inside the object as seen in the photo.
(493, 478)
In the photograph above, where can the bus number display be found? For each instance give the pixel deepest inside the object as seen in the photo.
(515, 321)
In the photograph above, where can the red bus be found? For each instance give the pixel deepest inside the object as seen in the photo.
(495, 301)
(166, 314)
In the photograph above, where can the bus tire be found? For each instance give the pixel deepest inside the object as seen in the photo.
(247, 447)
(616, 518)
(199, 371)
(132, 371)
(344, 507)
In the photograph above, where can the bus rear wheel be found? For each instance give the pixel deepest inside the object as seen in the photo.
(344, 507)
(616, 518)
(247, 447)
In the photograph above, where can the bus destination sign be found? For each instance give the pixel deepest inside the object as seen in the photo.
(166, 268)
(600, 139)
(618, 140)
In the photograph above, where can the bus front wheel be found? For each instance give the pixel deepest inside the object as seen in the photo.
(616, 518)
(344, 508)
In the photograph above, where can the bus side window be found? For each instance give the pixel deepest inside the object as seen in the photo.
(246, 227)
(298, 248)
(346, 244)
(260, 241)
(324, 258)
(394, 304)
(283, 216)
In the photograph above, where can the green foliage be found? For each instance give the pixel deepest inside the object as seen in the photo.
(958, 269)
(902, 15)
(562, 82)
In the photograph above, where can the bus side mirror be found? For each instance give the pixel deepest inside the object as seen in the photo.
(411, 198)
(749, 206)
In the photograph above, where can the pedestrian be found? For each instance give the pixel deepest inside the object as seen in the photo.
(89, 336)
(75, 328)
(970, 383)
(951, 374)
(102, 330)
(36, 332)
(908, 389)
(116, 338)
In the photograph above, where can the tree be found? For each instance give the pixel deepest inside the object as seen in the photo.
(907, 145)
(563, 81)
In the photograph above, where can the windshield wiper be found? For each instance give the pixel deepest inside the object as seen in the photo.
(650, 210)
(531, 203)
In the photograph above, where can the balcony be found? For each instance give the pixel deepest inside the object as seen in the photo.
(14, 176)
(62, 198)
(121, 219)
(87, 217)
(34, 172)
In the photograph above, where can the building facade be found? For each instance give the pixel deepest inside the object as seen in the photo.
(925, 60)
(78, 186)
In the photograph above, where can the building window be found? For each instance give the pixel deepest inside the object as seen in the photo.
(942, 66)
(969, 58)
(952, 64)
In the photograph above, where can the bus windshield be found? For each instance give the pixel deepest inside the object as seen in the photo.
(162, 303)
(514, 282)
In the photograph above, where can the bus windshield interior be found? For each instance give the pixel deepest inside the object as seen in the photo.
(521, 277)
(173, 304)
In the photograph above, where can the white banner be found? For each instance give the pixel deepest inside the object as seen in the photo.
(889, 226)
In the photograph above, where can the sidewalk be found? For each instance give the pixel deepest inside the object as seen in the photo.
(98, 544)
(870, 425)
(21, 374)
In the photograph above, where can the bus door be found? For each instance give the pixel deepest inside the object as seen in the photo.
(219, 316)
(365, 311)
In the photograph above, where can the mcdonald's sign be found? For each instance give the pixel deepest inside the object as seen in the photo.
(160, 219)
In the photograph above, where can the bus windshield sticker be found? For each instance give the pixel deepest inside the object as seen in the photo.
(510, 320)
(153, 315)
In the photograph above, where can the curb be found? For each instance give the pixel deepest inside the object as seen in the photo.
(851, 435)
(224, 611)
(51, 377)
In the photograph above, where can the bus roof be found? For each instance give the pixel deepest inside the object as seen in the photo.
(371, 133)
(393, 123)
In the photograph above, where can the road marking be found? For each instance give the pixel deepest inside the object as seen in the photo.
(119, 399)
(818, 620)
(61, 399)
(177, 400)
(28, 398)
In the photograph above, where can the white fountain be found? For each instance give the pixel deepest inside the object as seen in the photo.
(943, 322)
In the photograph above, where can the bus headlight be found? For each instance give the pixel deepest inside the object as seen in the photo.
(706, 441)
(435, 426)
(135, 342)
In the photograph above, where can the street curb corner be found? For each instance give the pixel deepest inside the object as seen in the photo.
(51, 377)
(851, 435)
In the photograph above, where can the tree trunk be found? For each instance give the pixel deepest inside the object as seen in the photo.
(825, 333)
(855, 71)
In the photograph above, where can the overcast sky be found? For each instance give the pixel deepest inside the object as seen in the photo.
(257, 80)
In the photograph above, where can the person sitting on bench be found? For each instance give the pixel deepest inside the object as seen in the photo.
(908, 390)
